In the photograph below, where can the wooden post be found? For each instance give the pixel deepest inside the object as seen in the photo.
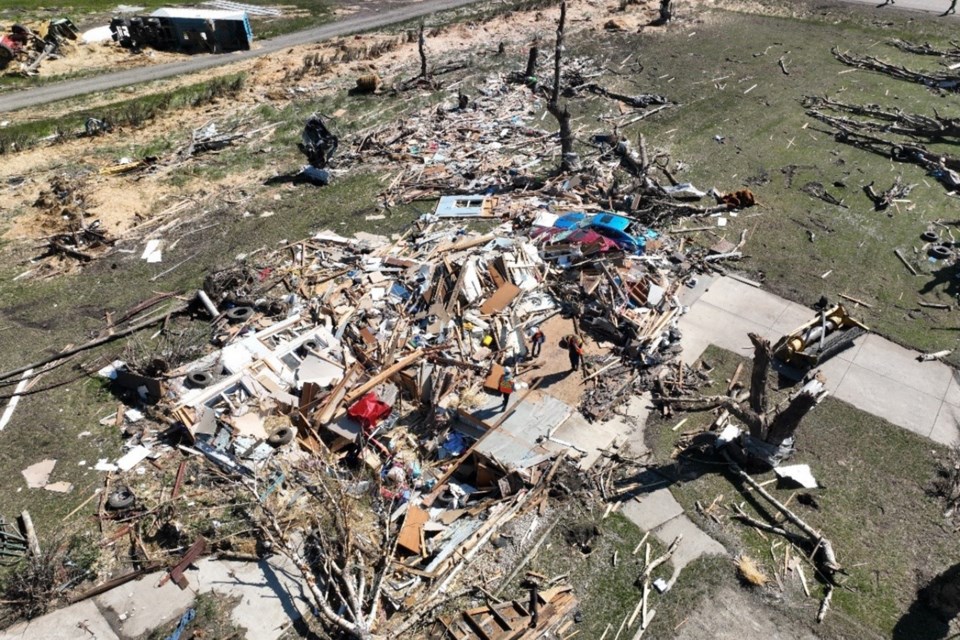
(32, 542)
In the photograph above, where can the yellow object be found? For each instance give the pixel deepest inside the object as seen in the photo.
(487, 341)
(820, 338)
(121, 168)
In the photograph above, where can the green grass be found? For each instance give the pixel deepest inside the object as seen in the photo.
(886, 530)
(765, 131)
(606, 593)
(125, 113)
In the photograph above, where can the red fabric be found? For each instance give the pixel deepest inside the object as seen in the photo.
(369, 410)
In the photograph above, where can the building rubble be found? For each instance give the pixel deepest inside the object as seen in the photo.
(367, 375)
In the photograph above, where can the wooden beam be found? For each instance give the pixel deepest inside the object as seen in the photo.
(383, 375)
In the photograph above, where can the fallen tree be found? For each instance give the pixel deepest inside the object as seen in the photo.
(934, 129)
(944, 81)
(926, 49)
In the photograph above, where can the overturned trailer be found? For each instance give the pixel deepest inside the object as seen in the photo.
(185, 30)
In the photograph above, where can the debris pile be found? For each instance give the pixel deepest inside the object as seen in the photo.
(74, 238)
(31, 46)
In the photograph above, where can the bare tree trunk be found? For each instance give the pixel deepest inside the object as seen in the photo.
(558, 54)
(532, 62)
(785, 423)
(568, 161)
(758, 377)
(421, 48)
(665, 12)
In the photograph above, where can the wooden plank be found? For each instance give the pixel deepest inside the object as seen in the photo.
(492, 381)
(337, 395)
(383, 375)
(409, 538)
(501, 299)
(196, 550)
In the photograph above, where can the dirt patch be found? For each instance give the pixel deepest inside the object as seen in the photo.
(733, 614)
(553, 364)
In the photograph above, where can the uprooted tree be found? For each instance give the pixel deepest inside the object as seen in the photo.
(770, 430)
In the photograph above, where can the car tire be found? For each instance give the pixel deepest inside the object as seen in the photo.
(280, 437)
(929, 236)
(199, 379)
(940, 252)
(239, 314)
(122, 498)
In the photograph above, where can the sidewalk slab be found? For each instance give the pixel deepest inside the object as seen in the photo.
(707, 324)
(899, 364)
(835, 370)
(793, 316)
(946, 428)
(82, 620)
(878, 395)
(588, 437)
(270, 596)
(745, 301)
(653, 509)
(953, 391)
(140, 606)
(695, 542)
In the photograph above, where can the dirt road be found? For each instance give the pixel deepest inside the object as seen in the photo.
(353, 24)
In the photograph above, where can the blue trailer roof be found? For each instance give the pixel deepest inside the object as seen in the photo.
(610, 221)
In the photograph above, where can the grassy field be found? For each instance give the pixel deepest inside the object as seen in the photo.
(888, 532)
(724, 72)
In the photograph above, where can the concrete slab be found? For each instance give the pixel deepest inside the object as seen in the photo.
(270, 596)
(689, 295)
(757, 305)
(140, 606)
(695, 543)
(953, 391)
(82, 620)
(638, 408)
(889, 399)
(893, 361)
(851, 353)
(946, 428)
(792, 317)
(652, 509)
(835, 369)
(589, 437)
(711, 325)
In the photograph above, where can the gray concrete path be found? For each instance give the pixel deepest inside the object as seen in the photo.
(876, 375)
(269, 601)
